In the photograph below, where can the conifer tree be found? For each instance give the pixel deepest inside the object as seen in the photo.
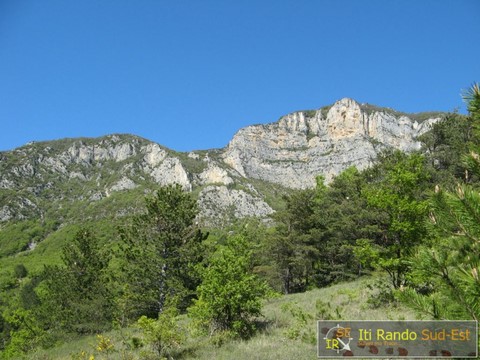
(161, 250)
(76, 296)
(449, 267)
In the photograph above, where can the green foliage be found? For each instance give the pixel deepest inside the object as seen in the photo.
(472, 160)
(323, 311)
(382, 294)
(341, 217)
(160, 252)
(104, 345)
(290, 247)
(367, 253)
(25, 333)
(20, 271)
(472, 97)
(27, 296)
(445, 145)
(446, 279)
(16, 237)
(302, 320)
(300, 328)
(396, 188)
(191, 164)
(316, 234)
(82, 355)
(269, 343)
(325, 110)
(309, 113)
(229, 298)
(163, 335)
(450, 265)
(363, 220)
(76, 296)
(434, 304)
(420, 117)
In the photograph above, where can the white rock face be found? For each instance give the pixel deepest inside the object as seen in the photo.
(77, 175)
(345, 119)
(217, 201)
(123, 184)
(164, 169)
(154, 154)
(215, 175)
(6, 184)
(96, 196)
(296, 149)
(106, 150)
(171, 171)
(290, 152)
(5, 214)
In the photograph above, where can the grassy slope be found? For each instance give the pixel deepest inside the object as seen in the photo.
(346, 301)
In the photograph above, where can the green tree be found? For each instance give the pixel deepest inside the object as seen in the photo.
(341, 217)
(24, 333)
(290, 247)
(472, 97)
(397, 188)
(229, 298)
(163, 335)
(161, 250)
(445, 145)
(20, 271)
(449, 266)
(446, 277)
(76, 296)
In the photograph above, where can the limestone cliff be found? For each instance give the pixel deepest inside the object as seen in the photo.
(302, 145)
(92, 175)
(48, 179)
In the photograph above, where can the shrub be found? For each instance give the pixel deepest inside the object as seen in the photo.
(20, 271)
(230, 295)
(164, 334)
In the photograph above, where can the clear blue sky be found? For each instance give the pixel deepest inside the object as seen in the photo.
(189, 74)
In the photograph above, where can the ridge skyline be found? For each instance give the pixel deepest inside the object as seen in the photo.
(362, 105)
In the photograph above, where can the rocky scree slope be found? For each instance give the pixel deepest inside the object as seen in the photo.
(83, 178)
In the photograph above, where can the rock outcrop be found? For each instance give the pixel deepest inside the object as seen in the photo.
(302, 145)
(290, 153)
(219, 203)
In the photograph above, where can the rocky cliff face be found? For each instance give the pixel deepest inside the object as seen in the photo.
(49, 178)
(302, 145)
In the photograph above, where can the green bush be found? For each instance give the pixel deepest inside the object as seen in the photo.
(230, 295)
(163, 335)
(20, 271)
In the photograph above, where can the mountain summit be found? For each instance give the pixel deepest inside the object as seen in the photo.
(302, 145)
(52, 179)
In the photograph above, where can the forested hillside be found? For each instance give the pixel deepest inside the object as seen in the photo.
(404, 232)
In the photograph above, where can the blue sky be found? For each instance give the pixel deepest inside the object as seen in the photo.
(189, 74)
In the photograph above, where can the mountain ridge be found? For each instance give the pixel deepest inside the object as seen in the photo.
(242, 179)
(320, 138)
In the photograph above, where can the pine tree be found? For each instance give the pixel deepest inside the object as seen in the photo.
(161, 250)
(449, 267)
(290, 248)
(76, 296)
